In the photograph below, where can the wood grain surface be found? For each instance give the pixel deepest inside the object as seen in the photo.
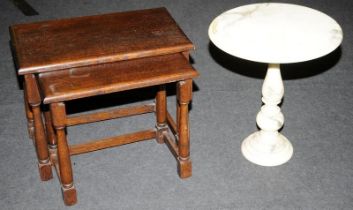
(113, 77)
(80, 41)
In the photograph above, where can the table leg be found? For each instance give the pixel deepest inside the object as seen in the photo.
(65, 169)
(268, 147)
(161, 113)
(40, 141)
(29, 114)
(41, 145)
(52, 143)
(184, 97)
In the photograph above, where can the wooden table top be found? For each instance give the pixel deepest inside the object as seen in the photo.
(81, 41)
(114, 77)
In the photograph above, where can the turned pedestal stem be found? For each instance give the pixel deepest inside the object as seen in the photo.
(268, 147)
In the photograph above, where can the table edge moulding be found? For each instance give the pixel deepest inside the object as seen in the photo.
(48, 45)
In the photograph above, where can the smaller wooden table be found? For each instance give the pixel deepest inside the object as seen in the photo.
(61, 86)
(82, 45)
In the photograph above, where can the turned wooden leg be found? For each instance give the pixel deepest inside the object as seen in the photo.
(177, 108)
(41, 145)
(187, 56)
(59, 119)
(34, 100)
(184, 97)
(161, 113)
(29, 114)
(51, 138)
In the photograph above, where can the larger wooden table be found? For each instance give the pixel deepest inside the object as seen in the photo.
(83, 42)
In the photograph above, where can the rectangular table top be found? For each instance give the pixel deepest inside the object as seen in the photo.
(107, 78)
(81, 41)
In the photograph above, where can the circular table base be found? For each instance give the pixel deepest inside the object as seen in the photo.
(255, 150)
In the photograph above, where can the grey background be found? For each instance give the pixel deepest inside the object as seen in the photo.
(317, 107)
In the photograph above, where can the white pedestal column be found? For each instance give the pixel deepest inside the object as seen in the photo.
(268, 147)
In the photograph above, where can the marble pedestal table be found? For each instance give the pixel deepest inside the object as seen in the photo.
(273, 33)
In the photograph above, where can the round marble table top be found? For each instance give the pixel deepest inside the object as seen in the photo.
(275, 33)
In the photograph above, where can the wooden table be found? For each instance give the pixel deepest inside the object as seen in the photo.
(85, 41)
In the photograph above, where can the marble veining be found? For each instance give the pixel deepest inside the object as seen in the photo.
(275, 33)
